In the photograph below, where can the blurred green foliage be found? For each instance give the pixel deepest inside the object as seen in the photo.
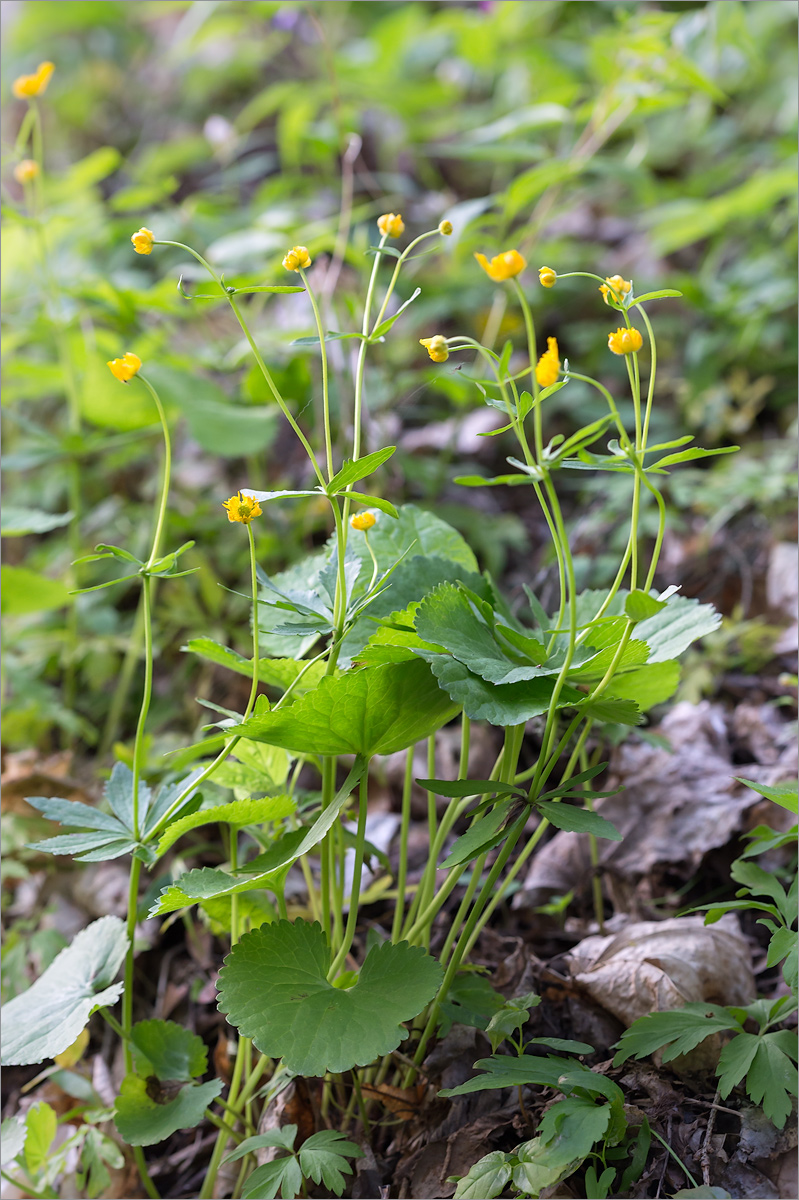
(656, 140)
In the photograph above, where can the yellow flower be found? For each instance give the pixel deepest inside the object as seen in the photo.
(364, 521)
(547, 277)
(242, 508)
(391, 225)
(26, 170)
(126, 367)
(502, 266)
(297, 257)
(625, 341)
(546, 371)
(445, 227)
(143, 240)
(616, 288)
(33, 85)
(436, 347)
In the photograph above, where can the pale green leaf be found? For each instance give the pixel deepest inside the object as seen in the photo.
(44, 1020)
(143, 1121)
(237, 812)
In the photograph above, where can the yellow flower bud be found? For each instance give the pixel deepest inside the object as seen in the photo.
(26, 170)
(502, 266)
(364, 521)
(445, 227)
(625, 341)
(126, 367)
(547, 277)
(391, 225)
(143, 240)
(436, 347)
(546, 372)
(615, 288)
(33, 85)
(297, 257)
(242, 508)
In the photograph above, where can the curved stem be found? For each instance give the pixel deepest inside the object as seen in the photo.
(402, 866)
(325, 386)
(270, 383)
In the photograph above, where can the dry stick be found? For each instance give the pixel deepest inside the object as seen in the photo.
(704, 1157)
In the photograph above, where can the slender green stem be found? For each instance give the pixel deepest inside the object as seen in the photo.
(270, 383)
(147, 691)
(533, 356)
(395, 275)
(325, 386)
(127, 994)
(355, 890)
(676, 1158)
(402, 866)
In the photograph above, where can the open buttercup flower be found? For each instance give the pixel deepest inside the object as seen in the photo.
(547, 277)
(546, 371)
(242, 508)
(26, 170)
(126, 367)
(297, 257)
(502, 266)
(363, 521)
(143, 240)
(391, 225)
(615, 288)
(436, 347)
(33, 85)
(625, 341)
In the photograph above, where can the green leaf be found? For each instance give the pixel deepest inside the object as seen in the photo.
(42, 1124)
(25, 591)
(612, 710)
(278, 672)
(680, 1030)
(374, 502)
(274, 989)
(237, 812)
(208, 883)
(18, 521)
(500, 704)
(142, 1120)
(770, 1075)
(283, 1174)
(44, 1020)
(330, 336)
(479, 836)
(661, 294)
(456, 789)
(503, 1071)
(168, 1050)
(495, 481)
(639, 605)
(541, 1166)
(384, 326)
(645, 686)
(784, 794)
(702, 1193)
(359, 468)
(282, 1137)
(762, 883)
(578, 820)
(378, 710)
(13, 1133)
(671, 460)
(486, 1179)
(570, 1128)
(673, 629)
(323, 1158)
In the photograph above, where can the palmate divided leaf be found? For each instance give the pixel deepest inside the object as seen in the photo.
(274, 989)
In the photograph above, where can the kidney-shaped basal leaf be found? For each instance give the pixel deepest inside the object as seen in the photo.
(46, 1019)
(274, 989)
(378, 710)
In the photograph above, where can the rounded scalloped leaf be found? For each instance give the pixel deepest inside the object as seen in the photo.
(166, 1049)
(144, 1119)
(274, 989)
(47, 1018)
